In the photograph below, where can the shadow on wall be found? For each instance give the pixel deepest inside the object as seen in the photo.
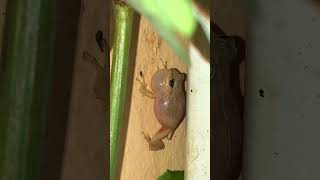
(66, 35)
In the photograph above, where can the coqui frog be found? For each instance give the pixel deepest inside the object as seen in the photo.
(168, 92)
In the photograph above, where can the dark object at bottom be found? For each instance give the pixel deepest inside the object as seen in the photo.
(227, 105)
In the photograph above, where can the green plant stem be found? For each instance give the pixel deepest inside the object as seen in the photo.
(121, 49)
(25, 87)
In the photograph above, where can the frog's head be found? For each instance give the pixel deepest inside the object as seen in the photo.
(167, 81)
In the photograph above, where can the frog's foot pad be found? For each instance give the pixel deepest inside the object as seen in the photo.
(143, 87)
(153, 145)
(156, 145)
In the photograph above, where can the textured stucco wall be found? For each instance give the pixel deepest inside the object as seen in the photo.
(138, 161)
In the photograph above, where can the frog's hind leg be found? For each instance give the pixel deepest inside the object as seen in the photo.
(155, 143)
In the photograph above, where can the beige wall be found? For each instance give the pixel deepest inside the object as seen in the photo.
(86, 133)
(85, 147)
(138, 161)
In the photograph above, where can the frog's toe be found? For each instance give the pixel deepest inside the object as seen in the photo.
(146, 136)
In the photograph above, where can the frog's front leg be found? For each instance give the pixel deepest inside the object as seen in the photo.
(164, 63)
(143, 88)
(155, 143)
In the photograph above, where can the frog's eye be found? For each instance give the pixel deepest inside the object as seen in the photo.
(171, 83)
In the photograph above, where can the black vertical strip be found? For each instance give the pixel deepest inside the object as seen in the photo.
(226, 105)
(66, 36)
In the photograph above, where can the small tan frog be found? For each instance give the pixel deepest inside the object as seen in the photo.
(168, 92)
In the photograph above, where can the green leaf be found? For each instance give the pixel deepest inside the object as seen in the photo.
(119, 77)
(172, 175)
(176, 15)
(25, 87)
(169, 17)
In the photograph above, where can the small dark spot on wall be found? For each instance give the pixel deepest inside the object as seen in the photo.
(317, 74)
(141, 74)
(191, 90)
(299, 53)
(309, 45)
(261, 93)
(306, 68)
(313, 19)
(301, 116)
(275, 154)
(99, 40)
(318, 96)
